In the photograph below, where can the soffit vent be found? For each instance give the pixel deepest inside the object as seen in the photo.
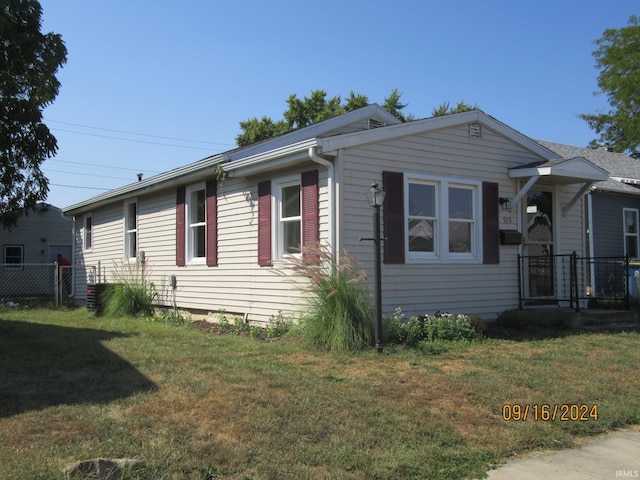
(375, 123)
(475, 130)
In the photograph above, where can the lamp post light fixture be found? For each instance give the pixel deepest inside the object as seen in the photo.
(376, 199)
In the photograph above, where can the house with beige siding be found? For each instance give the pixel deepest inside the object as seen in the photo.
(462, 194)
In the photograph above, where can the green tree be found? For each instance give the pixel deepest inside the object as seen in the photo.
(618, 59)
(302, 112)
(29, 61)
(446, 109)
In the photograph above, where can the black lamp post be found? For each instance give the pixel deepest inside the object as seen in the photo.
(376, 199)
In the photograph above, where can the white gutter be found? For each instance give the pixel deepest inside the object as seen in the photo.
(331, 192)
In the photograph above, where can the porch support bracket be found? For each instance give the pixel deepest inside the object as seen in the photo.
(524, 190)
(585, 188)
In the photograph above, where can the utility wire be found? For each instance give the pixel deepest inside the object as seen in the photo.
(87, 174)
(139, 134)
(130, 139)
(78, 186)
(84, 164)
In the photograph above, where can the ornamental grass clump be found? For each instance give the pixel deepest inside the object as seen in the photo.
(131, 294)
(339, 311)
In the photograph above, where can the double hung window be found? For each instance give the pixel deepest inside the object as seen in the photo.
(631, 232)
(196, 224)
(13, 257)
(131, 230)
(289, 219)
(87, 241)
(442, 220)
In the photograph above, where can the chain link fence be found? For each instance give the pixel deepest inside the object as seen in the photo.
(44, 284)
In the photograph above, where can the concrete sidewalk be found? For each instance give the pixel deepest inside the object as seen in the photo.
(612, 456)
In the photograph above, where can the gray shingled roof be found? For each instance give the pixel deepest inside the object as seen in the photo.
(617, 165)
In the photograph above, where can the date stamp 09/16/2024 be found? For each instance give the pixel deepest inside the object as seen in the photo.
(545, 412)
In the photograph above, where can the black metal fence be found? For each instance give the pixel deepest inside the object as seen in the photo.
(578, 281)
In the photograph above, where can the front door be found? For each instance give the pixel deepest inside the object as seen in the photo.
(538, 245)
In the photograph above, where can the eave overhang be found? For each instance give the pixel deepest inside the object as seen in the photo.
(560, 172)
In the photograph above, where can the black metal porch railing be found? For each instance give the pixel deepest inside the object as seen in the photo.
(569, 278)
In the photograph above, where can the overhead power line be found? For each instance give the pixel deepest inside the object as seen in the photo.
(78, 186)
(87, 174)
(130, 139)
(139, 134)
(85, 164)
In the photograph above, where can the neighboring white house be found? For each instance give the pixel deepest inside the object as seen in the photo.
(457, 191)
(37, 240)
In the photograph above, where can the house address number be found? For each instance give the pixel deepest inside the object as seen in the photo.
(506, 220)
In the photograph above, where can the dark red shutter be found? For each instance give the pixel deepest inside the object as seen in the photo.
(310, 214)
(264, 223)
(490, 223)
(393, 213)
(211, 193)
(180, 232)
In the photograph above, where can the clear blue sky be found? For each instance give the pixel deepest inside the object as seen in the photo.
(192, 70)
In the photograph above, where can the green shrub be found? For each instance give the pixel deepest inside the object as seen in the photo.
(131, 294)
(339, 312)
(441, 327)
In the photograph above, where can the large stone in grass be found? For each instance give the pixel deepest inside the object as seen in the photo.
(100, 468)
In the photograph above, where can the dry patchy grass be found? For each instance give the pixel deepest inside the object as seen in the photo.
(199, 406)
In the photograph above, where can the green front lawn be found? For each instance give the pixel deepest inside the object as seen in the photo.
(196, 405)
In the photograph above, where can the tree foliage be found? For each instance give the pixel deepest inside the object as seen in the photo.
(302, 112)
(618, 59)
(445, 108)
(29, 61)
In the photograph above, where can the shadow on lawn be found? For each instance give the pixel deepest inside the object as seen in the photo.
(47, 365)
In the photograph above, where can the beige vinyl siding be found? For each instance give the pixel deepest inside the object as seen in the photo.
(421, 288)
(237, 284)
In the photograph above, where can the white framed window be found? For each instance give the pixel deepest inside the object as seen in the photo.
(196, 231)
(13, 257)
(462, 215)
(442, 219)
(288, 218)
(87, 232)
(422, 208)
(131, 230)
(630, 220)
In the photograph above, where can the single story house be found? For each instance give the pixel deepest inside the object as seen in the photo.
(465, 194)
(30, 248)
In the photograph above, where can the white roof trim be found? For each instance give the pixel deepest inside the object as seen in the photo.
(573, 170)
(332, 144)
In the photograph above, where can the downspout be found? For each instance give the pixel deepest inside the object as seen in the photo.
(331, 194)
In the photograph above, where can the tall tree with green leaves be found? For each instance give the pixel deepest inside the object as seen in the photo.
(29, 61)
(618, 59)
(445, 108)
(309, 110)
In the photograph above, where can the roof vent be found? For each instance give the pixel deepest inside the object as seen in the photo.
(475, 130)
(139, 176)
(375, 123)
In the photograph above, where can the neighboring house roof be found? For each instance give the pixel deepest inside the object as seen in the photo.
(624, 171)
